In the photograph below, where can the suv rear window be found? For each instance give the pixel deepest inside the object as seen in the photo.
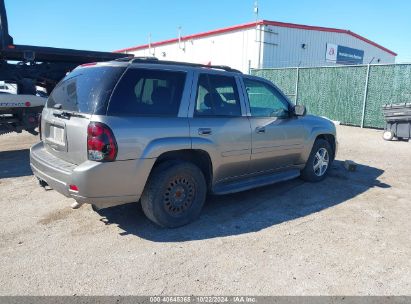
(144, 92)
(86, 89)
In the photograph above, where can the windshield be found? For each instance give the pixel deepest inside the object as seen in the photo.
(86, 89)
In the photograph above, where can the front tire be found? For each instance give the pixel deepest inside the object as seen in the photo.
(174, 194)
(319, 162)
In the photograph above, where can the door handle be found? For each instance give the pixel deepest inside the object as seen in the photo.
(205, 131)
(260, 129)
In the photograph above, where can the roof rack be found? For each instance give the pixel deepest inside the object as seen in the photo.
(125, 59)
(197, 65)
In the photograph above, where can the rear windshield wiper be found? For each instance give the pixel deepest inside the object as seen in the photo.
(67, 115)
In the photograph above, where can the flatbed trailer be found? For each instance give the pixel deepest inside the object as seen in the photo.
(29, 66)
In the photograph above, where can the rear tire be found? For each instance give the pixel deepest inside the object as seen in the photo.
(319, 162)
(174, 194)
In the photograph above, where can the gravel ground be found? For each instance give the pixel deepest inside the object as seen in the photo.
(349, 235)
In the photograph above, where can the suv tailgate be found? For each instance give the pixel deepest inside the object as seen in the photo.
(70, 107)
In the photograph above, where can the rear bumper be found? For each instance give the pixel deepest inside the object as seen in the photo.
(101, 184)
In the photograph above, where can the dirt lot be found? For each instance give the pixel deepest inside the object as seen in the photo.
(349, 235)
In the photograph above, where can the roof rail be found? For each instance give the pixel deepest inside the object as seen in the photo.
(144, 58)
(198, 65)
(125, 59)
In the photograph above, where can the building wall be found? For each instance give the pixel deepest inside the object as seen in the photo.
(282, 47)
(234, 49)
(279, 47)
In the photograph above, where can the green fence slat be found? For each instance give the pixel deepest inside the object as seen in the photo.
(283, 78)
(338, 92)
(387, 84)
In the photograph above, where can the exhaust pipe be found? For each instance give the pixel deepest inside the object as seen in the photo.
(42, 183)
(76, 205)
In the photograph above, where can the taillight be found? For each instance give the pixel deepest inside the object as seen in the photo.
(101, 144)
(73, 188)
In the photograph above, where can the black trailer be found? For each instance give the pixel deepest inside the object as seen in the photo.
(398, 121)
(29, 66)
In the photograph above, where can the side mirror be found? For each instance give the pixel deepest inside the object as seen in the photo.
(300, 110)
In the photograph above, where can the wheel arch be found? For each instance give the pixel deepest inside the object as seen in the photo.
(330, 138)
(198, 157)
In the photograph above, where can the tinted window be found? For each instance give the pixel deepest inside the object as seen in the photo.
(265, 101)
(86, 89)
(217, 96)
(148, 92)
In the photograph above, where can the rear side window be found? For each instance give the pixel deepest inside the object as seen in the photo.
(86, 89)
(143, 92)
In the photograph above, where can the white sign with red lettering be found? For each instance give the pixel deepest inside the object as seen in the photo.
(331, 53)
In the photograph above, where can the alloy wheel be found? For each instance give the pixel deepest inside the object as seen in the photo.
(321, 161)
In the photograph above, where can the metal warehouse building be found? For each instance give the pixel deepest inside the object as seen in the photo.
(269, 44)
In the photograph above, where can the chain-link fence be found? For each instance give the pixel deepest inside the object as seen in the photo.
(352, 95)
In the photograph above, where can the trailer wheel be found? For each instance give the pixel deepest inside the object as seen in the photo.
(388, 135)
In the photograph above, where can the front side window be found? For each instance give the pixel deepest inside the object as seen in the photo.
(143, 92)
(264, 100)
(217, 96)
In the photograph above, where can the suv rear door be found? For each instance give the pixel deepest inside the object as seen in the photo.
(148, 111)
(219, 125)
(277, 135)
(65, 119)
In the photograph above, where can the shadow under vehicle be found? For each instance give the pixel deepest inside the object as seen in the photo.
(253, 210)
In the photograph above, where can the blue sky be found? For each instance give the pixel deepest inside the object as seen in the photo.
(108, 25)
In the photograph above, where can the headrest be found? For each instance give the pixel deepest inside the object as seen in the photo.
(161, 95)
(209, 98)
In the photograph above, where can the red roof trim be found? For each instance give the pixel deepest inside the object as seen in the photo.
(252, 24)
(200, 35)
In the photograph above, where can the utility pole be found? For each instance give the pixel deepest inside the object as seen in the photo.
(257, 33)
(179, 39)
(256, 10)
